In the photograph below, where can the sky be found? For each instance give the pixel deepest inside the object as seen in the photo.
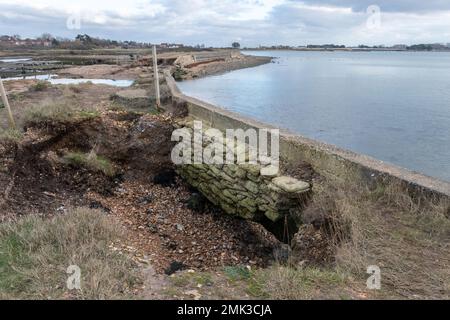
(221, 22)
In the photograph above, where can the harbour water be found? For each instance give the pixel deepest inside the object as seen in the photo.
(393, 106)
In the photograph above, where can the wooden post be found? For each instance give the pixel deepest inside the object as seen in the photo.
(156, 79)
(12, 123)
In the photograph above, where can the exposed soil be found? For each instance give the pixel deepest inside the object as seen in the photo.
(104, 71)
(146, 196)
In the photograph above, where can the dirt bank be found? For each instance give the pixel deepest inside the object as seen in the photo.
(170, 225)
(214, 66)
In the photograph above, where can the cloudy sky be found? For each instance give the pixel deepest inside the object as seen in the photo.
(219, 22)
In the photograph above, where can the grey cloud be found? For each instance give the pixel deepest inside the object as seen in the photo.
(386, 5)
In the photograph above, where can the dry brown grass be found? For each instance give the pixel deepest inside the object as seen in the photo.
(35, 254)
(285, 283)
(407, 236)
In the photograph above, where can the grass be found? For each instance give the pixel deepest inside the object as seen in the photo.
(62, 111)
(91, 161)
(237, 273)
(10, 136)
(40, 86)
(286, 283)
(406, 235)
(36, 252)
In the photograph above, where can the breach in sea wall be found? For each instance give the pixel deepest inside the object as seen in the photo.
(254, 190)
(327, 160)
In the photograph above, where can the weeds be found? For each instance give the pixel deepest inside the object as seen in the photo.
(40, 86)
(91, 161)
(10, 136)
(285, 283)
(407, 236)
(63, 111)
(35, 254)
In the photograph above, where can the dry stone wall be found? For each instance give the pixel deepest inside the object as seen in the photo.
(250, 191)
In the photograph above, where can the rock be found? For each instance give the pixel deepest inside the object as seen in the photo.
(174, 267)
(98, 205)
(291, 185)
(145, 200)
(270, 171)
(180, 227)
(249, 204)
(272, 215)
(196, 202)
(252, 187)
(253, 169)
(194, 293)
(229, 194)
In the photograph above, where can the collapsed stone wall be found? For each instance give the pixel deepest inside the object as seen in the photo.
(250, 191)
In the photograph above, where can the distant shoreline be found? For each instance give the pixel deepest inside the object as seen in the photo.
(342, 50)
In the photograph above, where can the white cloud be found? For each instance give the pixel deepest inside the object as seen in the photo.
(219, 22)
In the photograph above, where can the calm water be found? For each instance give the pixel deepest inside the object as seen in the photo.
(53, 79)
(14, 60)
(394, 106)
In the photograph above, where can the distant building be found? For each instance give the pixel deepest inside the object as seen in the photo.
(400, 47)
(8, 41)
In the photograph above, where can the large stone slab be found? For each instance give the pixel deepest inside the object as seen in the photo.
(291, 185)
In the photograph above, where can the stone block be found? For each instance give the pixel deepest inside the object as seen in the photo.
(291, 185)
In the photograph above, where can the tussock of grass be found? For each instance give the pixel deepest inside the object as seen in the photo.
(40, 86)
(407, 236)
(63, 111)
(35, 254)
(91, 161)
(10, 136)
(237, 273)
(285, 283)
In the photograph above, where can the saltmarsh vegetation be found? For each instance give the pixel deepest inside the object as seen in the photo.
(40, 86)
(407, 235)
(35, 253)
(63, 110)
(10, 135)
(91, 161)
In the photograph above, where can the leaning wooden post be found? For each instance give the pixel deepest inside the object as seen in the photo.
(12, 123)
(156, 79)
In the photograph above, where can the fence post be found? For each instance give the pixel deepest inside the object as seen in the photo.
(156, 79)
(12, 123)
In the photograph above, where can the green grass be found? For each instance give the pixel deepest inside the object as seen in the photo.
(10, 135)
(237, 273)
(63, 111)
(40, 86)
(91, 161)
(36, 252)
